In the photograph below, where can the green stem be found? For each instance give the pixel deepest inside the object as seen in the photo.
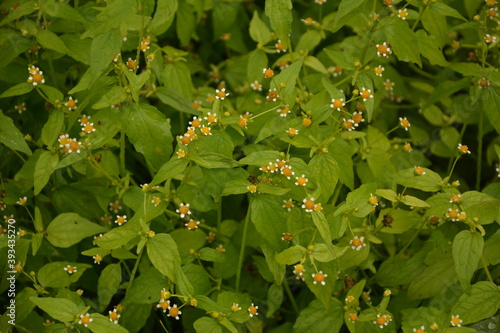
(290, 296)
(122, 153)
(242, 249)
(219, 218)
(419, 17)
(134, 270)
(453, 167)
(479, 150)
(485, 266)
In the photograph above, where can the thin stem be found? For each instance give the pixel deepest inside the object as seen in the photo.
(290, 296)
(242, 249)
(479, 149)
(485, 266)
(122, 152)
(134, 270)
(219, 218)
(453, 167)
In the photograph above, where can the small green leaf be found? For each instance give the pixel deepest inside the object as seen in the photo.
(58, 308)
(481, 302)
(102, 324)
(428, 182)
(68, 229)
(325, 170)
(491, 104)
(176, 76)
(446, 10)
(44, 167)
(467, 250)
(403, 220)
(19, 89)
(492, 249)
(274, 299)
(288, 76)
(280, 16)
(175, 100)
(413, 201)
(291, 255)
(387, 194)
(433, 280)
(263, 210)
(321, 223)
(169, 170)
(209, 254)
(51, 41)
(324, 253)
(117, 237)
(11, 136)
(23, 9)
(348, 9)
(113, 96)
(108, 284)
(259, 30)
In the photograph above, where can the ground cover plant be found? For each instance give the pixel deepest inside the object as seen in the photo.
(249, 166)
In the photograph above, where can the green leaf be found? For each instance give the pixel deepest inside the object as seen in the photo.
(364, 81)
(261, 158)
(188, 239)
(176, 76)
(149, 131)
(348, 9)
(403, 220)
(44, 167)
(23, 9)
(53, 127)
(209, 254)
(169, 170)
(58, 308)
(291, 255)
(428, 182)
(146, 289)
(113, 96)
(491, 106)
(257, 60)
(263, 210)
(492, 249)
(325, 171)
(163, 253)
(207, 325)
(316, 318)
(23, 305)
(402, 40)
(480, 303)
(19, 89)
(108, 284)
(236, 187)
(175, 100)
(308, 42)
(62, 10)
(51, 41)
(274, 299)
(117, 237)
(413, 201)
(111, 17)
(102, 324)
(11, 136)
(429, 47)
(288, 76)
(446, 10)
(467, 250)
(163, 16)
(432, 280)
(387, 194)
(280, 16)
(186, 23)
(325, 253)
(53, 275)
(68, 229)
(258, 30)
(321, 223)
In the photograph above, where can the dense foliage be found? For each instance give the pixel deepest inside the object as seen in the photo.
(250, 166)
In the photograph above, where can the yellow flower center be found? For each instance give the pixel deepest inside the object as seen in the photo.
(268, 73)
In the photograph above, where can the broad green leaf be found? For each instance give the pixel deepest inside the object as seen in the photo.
(257, 61)
(62, 10)
(102, 324)
(186, 23)
(227, 324)
(491, 106)
(259, 30)
(446, 10)
(188, 239)
(280, 16)
(413, 201)
(23, 305)
(481, 302)
(274, 299)
(429, 47)
(261, 158)
(163, 253)
(68, 229)
(237, 187)
(163, 16)
(149, 132)
(291, 255)
(209, 254)
(52, 93)
(108, 283)
(58, 308)
(53, 275)
(308, 42)
(364, 81)
(348, 9)
(492, 249)
(325, 170)
(111, 17)
(271, 189)
(115, 95)
(18, 89)
(423, 316)
(169, 170)
(428, 182)
(51, 41)
(321, 223)
(44, 167)
(432, 280)
(176, 76)
(402, 40)
(207, 325)
(175, 100)
(146, 288)
(324, 253)
(403, 220)
(263, 211)
(11, 136)
(467, 250)
(387, 194)
(23, 9)
(53, 127)
(446, 89)
(316, 318)
(288, 76)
